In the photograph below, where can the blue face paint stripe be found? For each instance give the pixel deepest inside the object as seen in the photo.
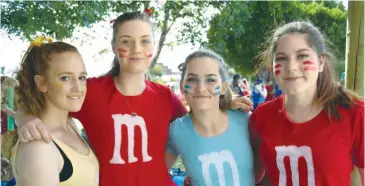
(187, 86)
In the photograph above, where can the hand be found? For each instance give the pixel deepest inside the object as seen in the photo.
(187, 181)
(30, 128)
(242, 103)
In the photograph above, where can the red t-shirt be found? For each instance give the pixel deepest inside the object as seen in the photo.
(312, 153)
(130, 149)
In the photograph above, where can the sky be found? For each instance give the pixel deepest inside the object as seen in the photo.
(89, 44)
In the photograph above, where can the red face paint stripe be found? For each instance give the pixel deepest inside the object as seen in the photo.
(308, 63)
(277, 72)
(122, 50)
(149, 55)
(122, 55)
(278, 66)
(309, 68)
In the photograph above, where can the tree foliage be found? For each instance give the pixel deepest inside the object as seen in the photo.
(157, 71)
(241, 28)
(59, 19)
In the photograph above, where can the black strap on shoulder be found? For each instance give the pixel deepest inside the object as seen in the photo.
(67, 168)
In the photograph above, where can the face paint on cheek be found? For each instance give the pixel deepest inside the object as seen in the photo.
(309, 65)
(217, 90)
(122, 52)
(277, 69)
(149, 55)
(187, 89)
(309, 68)
(59, 85)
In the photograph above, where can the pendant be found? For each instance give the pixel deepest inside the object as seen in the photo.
(134, 114)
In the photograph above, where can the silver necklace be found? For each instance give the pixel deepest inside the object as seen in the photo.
(133, 114)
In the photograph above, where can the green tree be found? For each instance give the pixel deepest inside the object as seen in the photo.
(59, 19)
(55, 19)
(239, 31)
(157, 71)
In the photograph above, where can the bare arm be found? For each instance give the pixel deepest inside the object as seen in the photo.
(170, 159)
(30, 127)
(37, 164)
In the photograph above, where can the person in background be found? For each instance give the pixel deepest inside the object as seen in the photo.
(236, 85)
(259, 93)
(246, 88)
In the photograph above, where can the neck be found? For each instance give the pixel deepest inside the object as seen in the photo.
(300, 102)
(130, 84)
(54, 118)
(210, 122)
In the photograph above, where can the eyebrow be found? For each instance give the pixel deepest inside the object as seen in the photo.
(128, 36)
(70, 73)
(192, 74)
(300, 50)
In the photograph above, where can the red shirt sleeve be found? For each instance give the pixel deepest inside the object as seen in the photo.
(178, 108)
(358, 125)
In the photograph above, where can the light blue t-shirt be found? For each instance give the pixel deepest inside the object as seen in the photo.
(223, 160)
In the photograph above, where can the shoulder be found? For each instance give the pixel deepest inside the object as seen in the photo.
(182, 121)
(355, 110)
(36, 155)
(269, 107)
(97, 81)
(354, 114)
(238, 115)
(158, 88)
(180, 124)
(35, 151)
(358, 106)
(38, 163)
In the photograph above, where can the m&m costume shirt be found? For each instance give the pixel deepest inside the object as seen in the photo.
(130, 148)
(313, 153)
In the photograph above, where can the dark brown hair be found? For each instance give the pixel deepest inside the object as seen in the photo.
(129, 16)
(329, 94)
(35, 62)
(225, 100)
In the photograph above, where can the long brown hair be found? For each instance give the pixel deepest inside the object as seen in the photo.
(36, 62)
(329, 95)
(129, 16)
(225, 100)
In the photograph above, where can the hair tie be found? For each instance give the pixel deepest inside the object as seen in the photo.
(148, 12)
(38, 41)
